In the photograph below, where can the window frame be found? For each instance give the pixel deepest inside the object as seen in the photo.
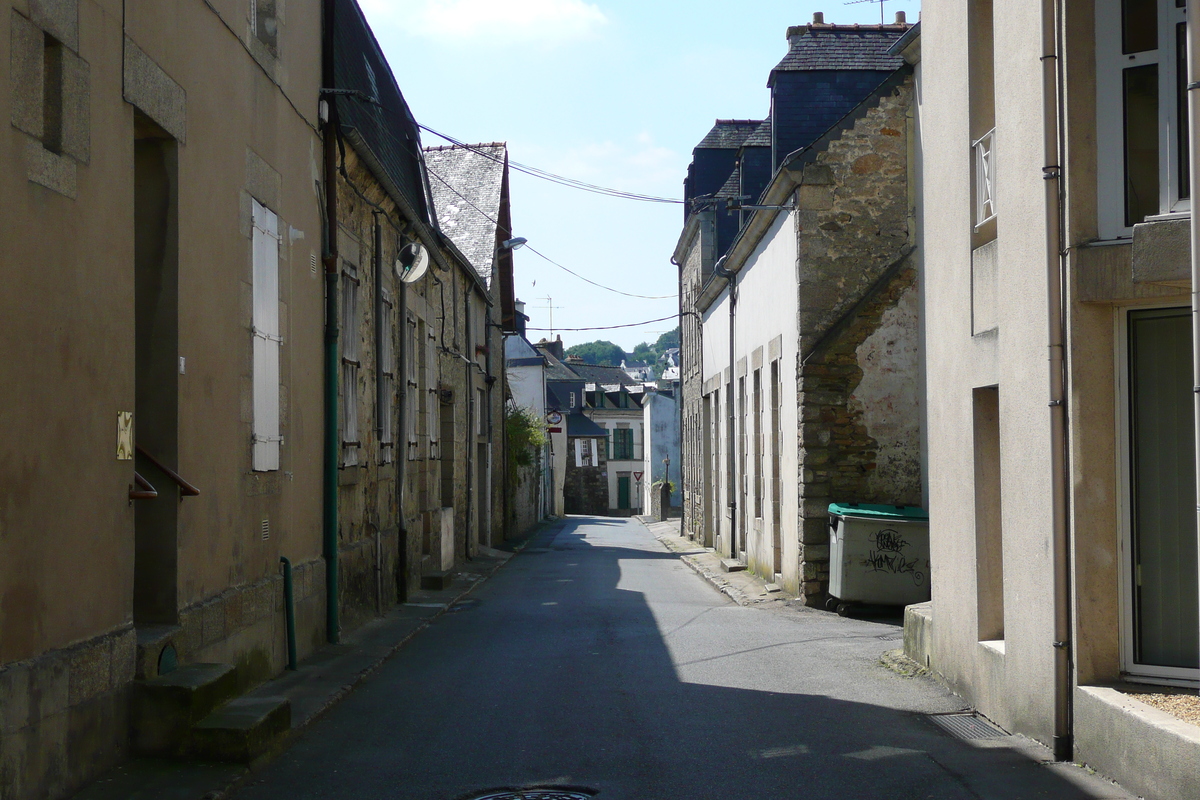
(1111, 64)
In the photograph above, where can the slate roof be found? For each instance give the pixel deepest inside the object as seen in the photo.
(555, 369)
(579, 425)
(728, 134)
(843, 47)
(466, 183)
(733, 186)
(603, 375)
(761, 136)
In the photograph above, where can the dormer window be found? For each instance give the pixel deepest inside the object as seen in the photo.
(1141, 102)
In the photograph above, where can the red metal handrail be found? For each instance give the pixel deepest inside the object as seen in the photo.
(185, 488)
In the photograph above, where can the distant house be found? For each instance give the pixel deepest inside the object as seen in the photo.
(638, 370)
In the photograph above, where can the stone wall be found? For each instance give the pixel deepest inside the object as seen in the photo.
(64, 716)
(586, 489)
(859, 335)
(696, 267)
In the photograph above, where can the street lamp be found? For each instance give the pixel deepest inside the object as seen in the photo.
(516, 243)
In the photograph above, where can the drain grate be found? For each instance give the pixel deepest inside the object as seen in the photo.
(968, 727)
(535, 794)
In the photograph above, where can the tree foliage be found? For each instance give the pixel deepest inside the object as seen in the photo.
(526, 435)
(605, 353)
(601, 353)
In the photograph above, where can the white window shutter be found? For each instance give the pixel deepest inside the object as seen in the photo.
(266, 338)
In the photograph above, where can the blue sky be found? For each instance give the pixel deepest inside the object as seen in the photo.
(615, 93)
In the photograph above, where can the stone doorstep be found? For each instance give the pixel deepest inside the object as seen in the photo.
(164, 708)
(732, 565)
(436, 581)
(242, 729)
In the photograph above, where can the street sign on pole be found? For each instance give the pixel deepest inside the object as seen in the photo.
(637, 476)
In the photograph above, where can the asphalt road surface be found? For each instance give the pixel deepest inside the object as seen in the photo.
(596, 659)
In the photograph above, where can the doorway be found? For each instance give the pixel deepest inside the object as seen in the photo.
(623, 492)
(1162, 619)
(156, 366)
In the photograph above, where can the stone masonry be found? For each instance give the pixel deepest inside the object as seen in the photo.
(857, 384)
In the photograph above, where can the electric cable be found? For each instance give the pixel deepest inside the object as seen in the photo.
(609, 327)
(559, 179)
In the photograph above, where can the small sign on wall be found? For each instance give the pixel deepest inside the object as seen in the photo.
(124, 436)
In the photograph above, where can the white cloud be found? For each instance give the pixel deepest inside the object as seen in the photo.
(640, 165)
(508, 21)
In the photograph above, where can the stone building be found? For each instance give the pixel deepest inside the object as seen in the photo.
(811, 396)
(162, 383)
(470, 190)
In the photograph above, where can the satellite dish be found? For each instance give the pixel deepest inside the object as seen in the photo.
(412, 262)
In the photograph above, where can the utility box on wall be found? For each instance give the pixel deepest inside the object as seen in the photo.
(878, 554)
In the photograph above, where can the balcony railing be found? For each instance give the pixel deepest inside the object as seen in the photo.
(985, 178)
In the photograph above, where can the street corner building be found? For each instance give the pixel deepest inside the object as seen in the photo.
(1058, 152)
(793, 400)
(251, 380)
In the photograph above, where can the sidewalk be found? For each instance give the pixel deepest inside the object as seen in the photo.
(744, 588)
(317, 685)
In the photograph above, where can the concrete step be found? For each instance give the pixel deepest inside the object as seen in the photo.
(163, 709)
(436, 581)
(242, 729)
(732, 565)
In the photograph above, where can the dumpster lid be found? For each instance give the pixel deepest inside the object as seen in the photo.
(869, 511)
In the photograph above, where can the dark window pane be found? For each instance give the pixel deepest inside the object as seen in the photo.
(1181, 129)
(1139, 26)
(1141, 142)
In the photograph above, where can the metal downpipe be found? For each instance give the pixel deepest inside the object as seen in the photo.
(1193, 67)
(1055, 275)
(731, 281)
(330, 476)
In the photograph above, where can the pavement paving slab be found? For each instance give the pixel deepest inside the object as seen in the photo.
(319, 683)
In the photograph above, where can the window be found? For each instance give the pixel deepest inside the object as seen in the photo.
(412, 402)
(52, 94)
(387, 377)
(433, 411)
(264, 22)
(266, 339)
(758, 444)
(622, 444)
(982, 81)
(350, 335)
(1141, 77)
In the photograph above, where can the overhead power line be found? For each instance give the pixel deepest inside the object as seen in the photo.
(559, 179)
(609, 327)
(541, 255)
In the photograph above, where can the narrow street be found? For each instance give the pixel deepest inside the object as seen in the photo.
(597, 659)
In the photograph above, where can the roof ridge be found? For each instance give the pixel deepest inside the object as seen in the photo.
(436, 148)
(829, 27)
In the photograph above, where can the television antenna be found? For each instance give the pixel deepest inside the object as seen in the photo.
(549, 307)
(860, 2)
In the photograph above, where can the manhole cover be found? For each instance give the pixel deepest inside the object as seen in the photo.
(534, 794)
(968, 727)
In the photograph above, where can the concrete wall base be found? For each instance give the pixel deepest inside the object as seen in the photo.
(1147, 751)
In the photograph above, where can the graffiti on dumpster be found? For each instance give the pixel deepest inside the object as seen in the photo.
(889, 556)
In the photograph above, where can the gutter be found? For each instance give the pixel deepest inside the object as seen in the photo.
(731, 281)
(1053, 150)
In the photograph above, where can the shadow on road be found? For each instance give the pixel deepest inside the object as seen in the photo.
(593, 660)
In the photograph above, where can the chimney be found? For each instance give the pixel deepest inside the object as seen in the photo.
(900, 18)
(574, 359)
(818, 18)
(519, 319)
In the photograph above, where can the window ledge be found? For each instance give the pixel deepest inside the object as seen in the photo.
(995, 645)
(1162, 251)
